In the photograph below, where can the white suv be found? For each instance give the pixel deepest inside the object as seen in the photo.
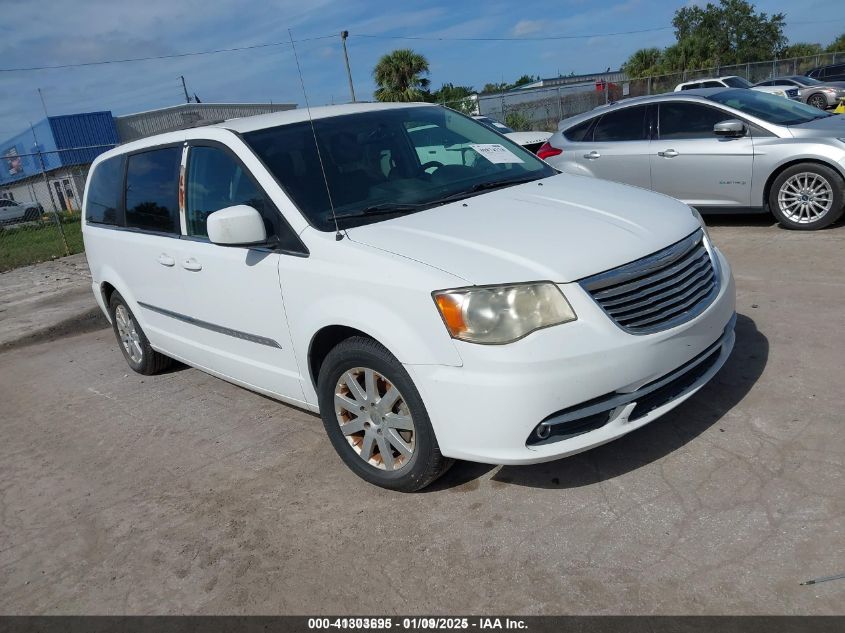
(487, 309)
(732, 81)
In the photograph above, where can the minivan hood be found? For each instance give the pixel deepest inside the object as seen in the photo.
(558, 229)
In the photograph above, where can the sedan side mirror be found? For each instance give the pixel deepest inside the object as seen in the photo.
(240, 225)
(731, 127)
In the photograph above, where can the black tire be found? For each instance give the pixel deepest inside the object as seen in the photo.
(426, 463)
(817, 100)
(151, 362)
(31, 215)
(837, 186)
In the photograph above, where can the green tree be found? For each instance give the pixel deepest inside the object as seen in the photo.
(495, 88)
(730, 32)
(401, 76)
(458, 98)
(525, 79)
(837, 45)
(517, 121)
(801, 49)
(643, 63)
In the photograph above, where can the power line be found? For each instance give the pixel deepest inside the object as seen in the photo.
(547, 37)
(154, 57)
(506, 39)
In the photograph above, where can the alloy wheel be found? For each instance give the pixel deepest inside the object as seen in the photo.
(818, 101)
(128, 333)
(805, 198)
(374, 418)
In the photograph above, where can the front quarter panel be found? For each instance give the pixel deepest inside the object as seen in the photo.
(385, 296)
(771, 154)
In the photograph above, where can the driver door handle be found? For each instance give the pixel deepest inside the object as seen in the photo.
(592, 155)
(191, 264)
(669, 153)
(166, 260)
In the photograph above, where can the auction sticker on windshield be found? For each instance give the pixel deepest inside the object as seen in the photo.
(496, 153)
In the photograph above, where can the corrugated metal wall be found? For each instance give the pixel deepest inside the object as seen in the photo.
(94, 130)
(187, 115)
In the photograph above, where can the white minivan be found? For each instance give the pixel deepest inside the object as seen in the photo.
(489, 309)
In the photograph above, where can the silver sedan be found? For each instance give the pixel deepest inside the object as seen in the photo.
(719, 150)
(819, 94)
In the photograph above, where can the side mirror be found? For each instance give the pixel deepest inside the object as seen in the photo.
(240, 225)
(731, 127)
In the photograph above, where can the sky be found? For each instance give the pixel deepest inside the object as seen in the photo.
(52, 32)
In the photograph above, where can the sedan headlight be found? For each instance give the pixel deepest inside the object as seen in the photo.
(502, 314)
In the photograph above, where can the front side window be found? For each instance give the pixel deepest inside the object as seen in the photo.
(626, 124)
(385, 163)
(691, 86)
(688, 120)
(104, 193)
(215, 181)
(152, 189)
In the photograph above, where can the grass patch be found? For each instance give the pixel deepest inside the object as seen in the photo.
(38, 242)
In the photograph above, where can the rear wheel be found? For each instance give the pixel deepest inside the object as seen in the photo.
(133, 342)
(375, 417)
(817, 100)
(807, 197)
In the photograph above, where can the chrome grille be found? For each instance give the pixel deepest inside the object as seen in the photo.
(660, 291)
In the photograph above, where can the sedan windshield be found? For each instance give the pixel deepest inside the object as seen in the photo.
(769, 108)
(385, 163)
(736, 82)
(806, 81)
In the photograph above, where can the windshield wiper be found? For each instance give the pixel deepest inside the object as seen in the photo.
(383, 208)
(485, 186)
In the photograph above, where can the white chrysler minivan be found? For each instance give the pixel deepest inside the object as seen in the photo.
(479, 307)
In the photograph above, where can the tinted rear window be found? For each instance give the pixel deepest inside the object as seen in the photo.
(104, 193)
(627, 124)
(152, 190)
(579, 132)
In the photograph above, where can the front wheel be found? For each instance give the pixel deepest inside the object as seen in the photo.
(375, 417)
(818, 100)
(807, 197)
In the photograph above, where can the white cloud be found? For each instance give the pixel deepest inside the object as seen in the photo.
(527, 27)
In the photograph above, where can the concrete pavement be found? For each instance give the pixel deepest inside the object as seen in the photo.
(181, 493)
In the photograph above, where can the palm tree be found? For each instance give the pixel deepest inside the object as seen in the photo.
(400, 76)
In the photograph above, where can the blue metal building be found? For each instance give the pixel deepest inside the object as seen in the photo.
(54, 152)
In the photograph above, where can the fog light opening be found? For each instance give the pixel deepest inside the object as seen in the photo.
(543, 431)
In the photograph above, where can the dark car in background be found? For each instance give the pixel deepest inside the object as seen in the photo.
(831, 72)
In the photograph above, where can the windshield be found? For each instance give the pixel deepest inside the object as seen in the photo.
(806, 81)
(769, 108)
(736, 82)
(388, 162)
(493, 124)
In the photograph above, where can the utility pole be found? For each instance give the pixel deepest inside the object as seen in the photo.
(185, 88)
(343, 36)
(43, 105)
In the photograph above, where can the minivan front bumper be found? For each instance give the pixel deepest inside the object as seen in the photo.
(488, 410)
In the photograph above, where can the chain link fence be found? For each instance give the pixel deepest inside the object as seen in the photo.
(542, 108)
(40, 205)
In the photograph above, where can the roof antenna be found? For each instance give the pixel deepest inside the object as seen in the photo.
(338, 235)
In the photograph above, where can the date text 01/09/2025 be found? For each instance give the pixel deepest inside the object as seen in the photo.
(417, 623)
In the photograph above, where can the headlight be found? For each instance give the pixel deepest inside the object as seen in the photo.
(502, 314)
(698, 217)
